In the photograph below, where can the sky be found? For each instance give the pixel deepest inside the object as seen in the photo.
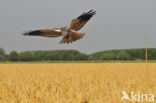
(118, 24)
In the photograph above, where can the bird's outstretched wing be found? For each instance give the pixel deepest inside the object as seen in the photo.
(72, 36)
(80, 21)
(44, 32)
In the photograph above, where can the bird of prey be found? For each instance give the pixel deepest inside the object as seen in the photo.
(67, 32)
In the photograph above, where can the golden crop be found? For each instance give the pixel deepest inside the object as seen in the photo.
(74, 82)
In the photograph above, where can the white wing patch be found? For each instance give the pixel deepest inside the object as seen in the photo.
(58, 30)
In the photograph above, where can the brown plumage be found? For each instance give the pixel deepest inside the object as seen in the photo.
(44, 32)
(68, 35)
(80, 21)
(72, 36)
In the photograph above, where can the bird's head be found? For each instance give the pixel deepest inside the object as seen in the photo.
(63, 28)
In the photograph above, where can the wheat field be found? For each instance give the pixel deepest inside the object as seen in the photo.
(74, 82)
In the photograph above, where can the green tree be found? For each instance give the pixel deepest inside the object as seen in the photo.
(13, 56)
(2, 54)
(70, 57)
(122, 55)
(81, 56)
(108, 56)
(25, 56)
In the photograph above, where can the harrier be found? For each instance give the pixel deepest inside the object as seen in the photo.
(67, 32)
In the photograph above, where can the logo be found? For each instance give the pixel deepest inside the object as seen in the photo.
(139, 97)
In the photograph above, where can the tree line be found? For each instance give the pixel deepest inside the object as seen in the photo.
(124, 54)
(74, 55)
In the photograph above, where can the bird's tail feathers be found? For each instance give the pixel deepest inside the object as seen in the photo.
(72, 36)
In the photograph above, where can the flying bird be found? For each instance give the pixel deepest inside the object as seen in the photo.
(68, 32)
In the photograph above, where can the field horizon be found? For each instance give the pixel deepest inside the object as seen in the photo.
(100, 61)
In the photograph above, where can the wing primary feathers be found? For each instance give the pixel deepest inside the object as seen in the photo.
(44, 32)
(86, 16)
(32, 33)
